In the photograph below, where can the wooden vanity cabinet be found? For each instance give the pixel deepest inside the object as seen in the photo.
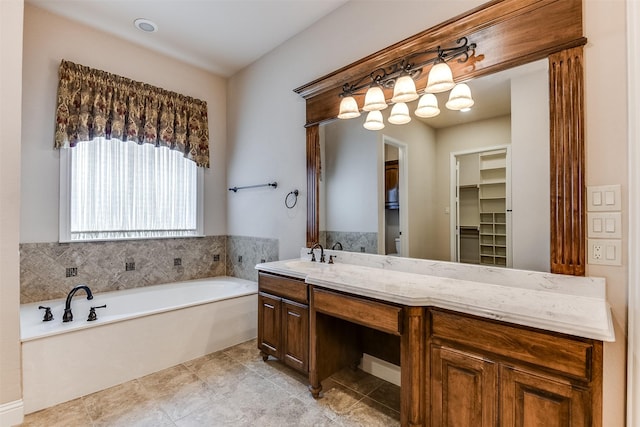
(486, 373)
(283, 320)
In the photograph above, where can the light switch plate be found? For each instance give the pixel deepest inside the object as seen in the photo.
(604, 251)
(604, 198)
(604, 225)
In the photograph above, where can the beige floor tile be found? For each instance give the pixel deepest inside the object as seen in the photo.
(68, 414)
(369, 413)
(357, 380)
(387, 394)
(177, 391)
(233, 387)
(127, 404)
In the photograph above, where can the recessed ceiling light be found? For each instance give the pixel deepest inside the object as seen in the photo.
(145, 25)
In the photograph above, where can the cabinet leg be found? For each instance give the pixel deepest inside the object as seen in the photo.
(264, 355)
(315, 391)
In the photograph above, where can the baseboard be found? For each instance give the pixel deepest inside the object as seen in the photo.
(11, 413)
(381, 369)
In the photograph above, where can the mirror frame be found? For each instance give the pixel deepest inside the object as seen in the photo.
(508, 34)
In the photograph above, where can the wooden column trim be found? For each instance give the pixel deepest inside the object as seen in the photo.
(566, 104)
(313, 180)
(414, 359)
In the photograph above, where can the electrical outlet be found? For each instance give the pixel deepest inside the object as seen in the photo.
(129, 266)
(177, 262)
(604, 251)
(240, 259)
(216, 258)
(71, 272)
(597, 251)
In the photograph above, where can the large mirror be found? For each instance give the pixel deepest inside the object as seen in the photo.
(432, 189)
(508, 34)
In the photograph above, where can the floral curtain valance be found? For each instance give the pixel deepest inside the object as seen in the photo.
(93, 103)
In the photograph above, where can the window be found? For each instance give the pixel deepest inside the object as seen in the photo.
(112, 190)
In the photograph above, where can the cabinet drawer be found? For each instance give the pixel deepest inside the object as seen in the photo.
(383, 317)
(558, 353)
(293, 289)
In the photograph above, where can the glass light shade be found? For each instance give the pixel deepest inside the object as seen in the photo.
(348, 108)
(440, 78)
(404, 90)
(460, 97)
(427, 106)
(399, 114)
(374, 120)
(374, 99)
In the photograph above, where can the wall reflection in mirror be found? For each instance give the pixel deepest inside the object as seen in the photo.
(463, 186)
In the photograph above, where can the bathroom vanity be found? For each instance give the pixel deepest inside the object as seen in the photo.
(476, 345)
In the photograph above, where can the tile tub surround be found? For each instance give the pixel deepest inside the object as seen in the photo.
(566, 304)
(231, 387)
(102, 265)
(351, 240)
(243, 253)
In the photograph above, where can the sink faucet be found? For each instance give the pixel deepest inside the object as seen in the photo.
(335, 246)
(68, 316)
(313, 255)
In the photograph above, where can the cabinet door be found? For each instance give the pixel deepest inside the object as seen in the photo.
(391, 179)
(295, 335)
(531, 400)
(463, 389)
(269, 318)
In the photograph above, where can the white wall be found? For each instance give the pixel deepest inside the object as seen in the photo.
(633, 358)
(530, 195)
(420, 141)
(350, 176)
(11, 17)
(48, 39)
(606, 163)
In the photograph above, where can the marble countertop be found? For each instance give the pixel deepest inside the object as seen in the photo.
(566, 304)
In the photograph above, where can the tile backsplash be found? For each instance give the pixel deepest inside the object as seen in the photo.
(50, 270)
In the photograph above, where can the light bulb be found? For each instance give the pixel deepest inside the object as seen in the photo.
(374, 120)
(399, 114)
(374, 99)
(348, 108)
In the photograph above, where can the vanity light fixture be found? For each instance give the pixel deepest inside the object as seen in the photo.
(401, 77)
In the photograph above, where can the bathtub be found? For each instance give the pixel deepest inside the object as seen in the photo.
(141, 331)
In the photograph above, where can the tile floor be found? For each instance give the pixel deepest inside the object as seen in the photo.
(232, 387)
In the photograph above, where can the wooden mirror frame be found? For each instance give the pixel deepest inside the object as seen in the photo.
(508, 33)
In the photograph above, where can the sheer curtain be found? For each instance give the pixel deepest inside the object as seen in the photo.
(121, 189)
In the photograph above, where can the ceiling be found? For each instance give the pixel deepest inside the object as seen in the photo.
(221, 36)
(224, 36)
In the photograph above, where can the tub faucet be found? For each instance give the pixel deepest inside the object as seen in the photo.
(335, 246)
(313, 255)
(68, 316)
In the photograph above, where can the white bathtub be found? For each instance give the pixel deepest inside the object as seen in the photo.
(141, 331)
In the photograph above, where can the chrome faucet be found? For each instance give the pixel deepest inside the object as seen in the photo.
(68, 316)
(313, 255)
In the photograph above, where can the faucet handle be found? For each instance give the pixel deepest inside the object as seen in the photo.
(92, 313)
(48, 316)
(313, 255)
(331, 257)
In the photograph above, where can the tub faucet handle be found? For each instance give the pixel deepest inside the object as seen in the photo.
(92, 313)
(47, 313)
